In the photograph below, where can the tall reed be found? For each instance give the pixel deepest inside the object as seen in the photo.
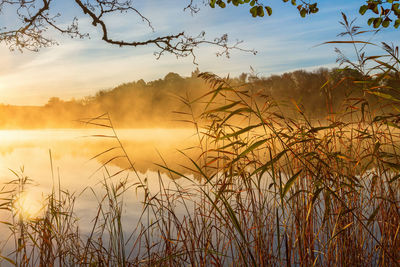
(267, 188)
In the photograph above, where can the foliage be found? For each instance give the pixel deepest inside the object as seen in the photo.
(386, 11)
(257, 7)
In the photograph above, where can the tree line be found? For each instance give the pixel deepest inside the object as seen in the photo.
(152, 104)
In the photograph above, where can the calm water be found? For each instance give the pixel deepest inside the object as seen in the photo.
(65, 155)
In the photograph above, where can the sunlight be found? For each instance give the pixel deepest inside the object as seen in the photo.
(27, 206)
(3, 87)
(11, 135)
(177, 133)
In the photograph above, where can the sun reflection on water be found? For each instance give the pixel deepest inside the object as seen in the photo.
(28, 206)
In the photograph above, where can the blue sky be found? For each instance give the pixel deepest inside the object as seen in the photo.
(76, 68)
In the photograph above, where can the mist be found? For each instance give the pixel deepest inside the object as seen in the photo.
(169, 102)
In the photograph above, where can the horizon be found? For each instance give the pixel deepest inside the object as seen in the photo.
(110, 89)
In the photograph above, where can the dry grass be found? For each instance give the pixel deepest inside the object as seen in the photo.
(270, 190)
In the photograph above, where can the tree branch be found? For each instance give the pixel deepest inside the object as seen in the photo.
(36, 21)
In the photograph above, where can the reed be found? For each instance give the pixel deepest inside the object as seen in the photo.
(267, 189)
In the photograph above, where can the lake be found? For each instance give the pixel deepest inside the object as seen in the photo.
(79, 159)
(235, 203)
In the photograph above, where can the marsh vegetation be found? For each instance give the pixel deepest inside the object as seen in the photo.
(264, 185)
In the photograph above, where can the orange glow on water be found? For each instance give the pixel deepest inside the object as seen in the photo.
(28, 206)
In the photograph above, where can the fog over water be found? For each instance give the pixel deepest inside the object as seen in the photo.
(28, 152)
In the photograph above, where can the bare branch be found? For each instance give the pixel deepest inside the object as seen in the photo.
(35, 19)
(192, 8)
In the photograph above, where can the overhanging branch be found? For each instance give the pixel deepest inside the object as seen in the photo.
(36, 19)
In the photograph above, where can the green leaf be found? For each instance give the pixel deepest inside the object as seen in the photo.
(269, 10)
(253, 11)
(223, 108)
(363, 9)
(290, 182)
(377, 22)
(386, 23)
(383, 95)
(370, 20)
(269, 163)
(303, 12)
(212, 3)
(397, 23)
(375, 9)
(250, 148)
(313, 8)
(238, 111)
(260, 11)
(244, 130)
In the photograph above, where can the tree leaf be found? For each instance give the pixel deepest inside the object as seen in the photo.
(269, 10)
(363, 9)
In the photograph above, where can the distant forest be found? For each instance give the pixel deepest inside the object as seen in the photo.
(152, 104)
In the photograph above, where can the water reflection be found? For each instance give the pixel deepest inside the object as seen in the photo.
(78, 160)
(144, 147)
(28, 205)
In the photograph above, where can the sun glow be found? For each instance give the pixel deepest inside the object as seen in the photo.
(28, 206)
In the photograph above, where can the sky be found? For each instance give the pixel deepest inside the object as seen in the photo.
(80, 67)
